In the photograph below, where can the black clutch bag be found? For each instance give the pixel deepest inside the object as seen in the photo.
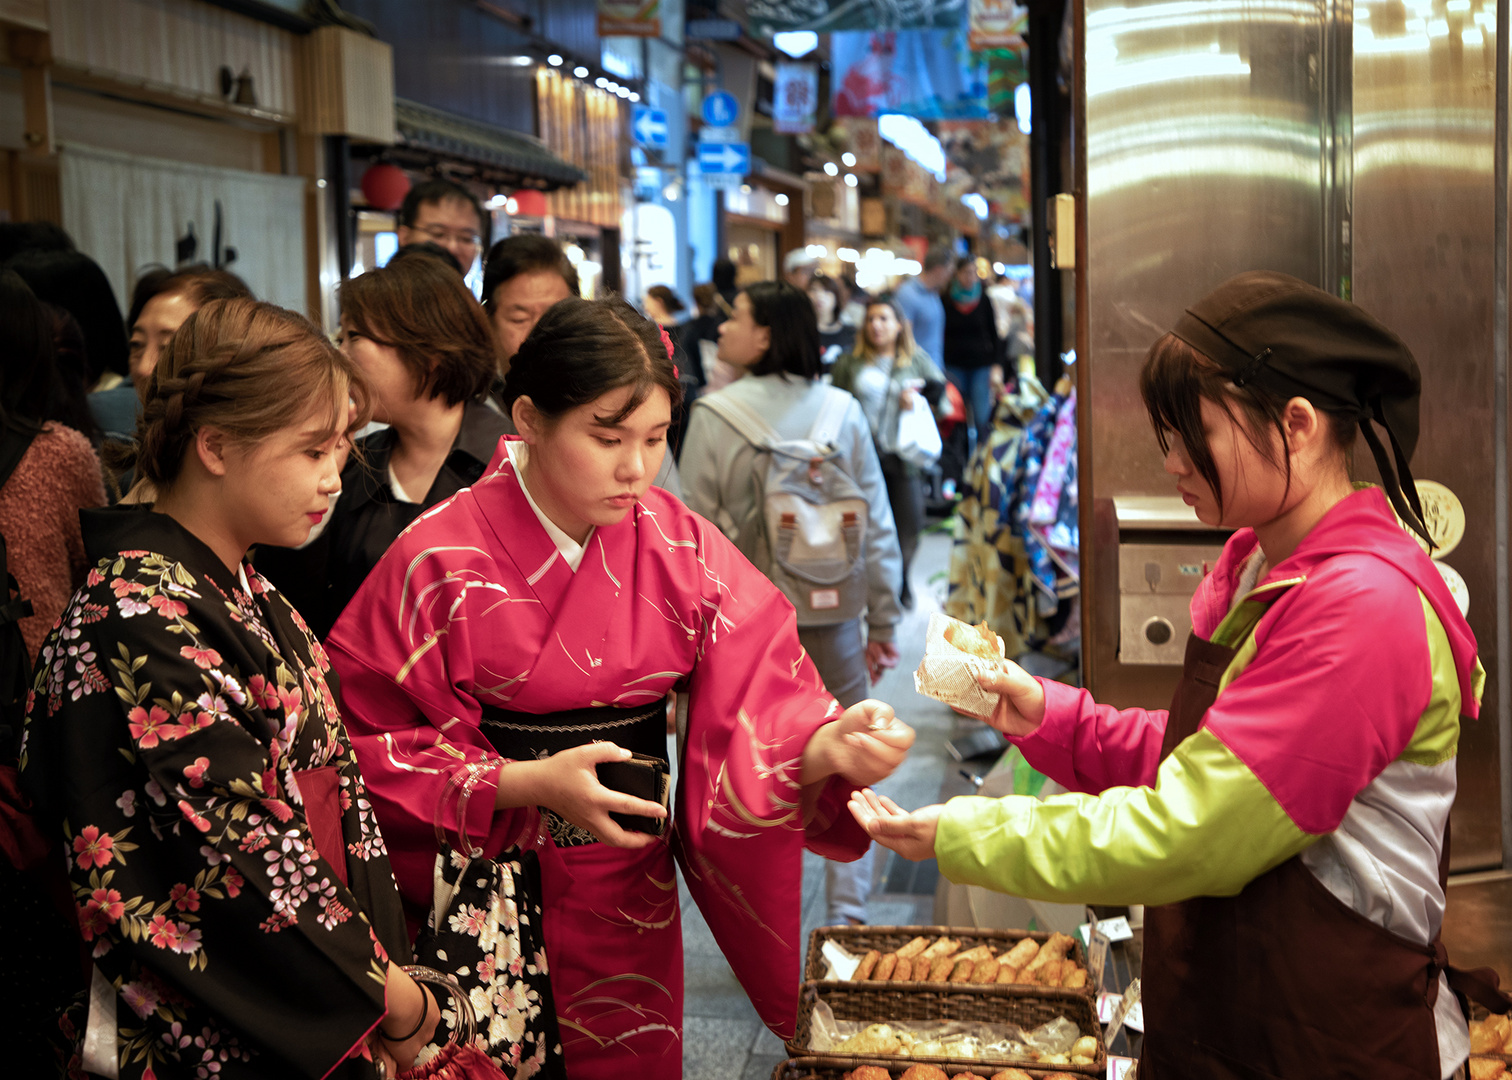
(648, 778)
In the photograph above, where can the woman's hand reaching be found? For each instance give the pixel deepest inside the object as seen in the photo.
(406, 999)
(865, 745)
(1021, 699)
(910, 833)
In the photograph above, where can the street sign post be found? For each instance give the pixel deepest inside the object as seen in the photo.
(649, 126)
(732, 158)
(720, 109)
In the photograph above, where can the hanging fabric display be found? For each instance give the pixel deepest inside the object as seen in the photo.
(928, 74)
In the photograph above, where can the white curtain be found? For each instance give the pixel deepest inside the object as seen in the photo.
(127, 212)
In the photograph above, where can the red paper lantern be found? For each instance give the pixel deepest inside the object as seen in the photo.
(385, 186)
(530, 203)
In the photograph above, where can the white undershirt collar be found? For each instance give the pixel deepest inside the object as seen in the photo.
(570, 550)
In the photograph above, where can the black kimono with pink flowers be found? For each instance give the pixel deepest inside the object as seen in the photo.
(240, 908)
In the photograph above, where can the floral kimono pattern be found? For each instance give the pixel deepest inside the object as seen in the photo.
(176, 707)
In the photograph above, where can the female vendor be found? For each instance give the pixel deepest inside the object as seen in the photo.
(1287, 819)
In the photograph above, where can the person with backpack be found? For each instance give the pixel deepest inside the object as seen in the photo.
(785, 466)
(521, 639)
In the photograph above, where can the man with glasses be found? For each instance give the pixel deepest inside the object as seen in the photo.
(444, 213)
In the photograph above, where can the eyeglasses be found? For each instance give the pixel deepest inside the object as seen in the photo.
(441, 234)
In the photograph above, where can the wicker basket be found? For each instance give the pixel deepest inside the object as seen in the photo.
(989, 1004)
(886, 939)
(818, 1068)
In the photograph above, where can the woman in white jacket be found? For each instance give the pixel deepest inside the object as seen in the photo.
(773, 336)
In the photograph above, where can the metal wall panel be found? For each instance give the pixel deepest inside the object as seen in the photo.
(1204, 156)
(1424, 247)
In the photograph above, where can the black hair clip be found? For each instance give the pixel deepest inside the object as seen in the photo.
(1252, 368)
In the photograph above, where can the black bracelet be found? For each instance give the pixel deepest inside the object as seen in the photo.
(424, 1012)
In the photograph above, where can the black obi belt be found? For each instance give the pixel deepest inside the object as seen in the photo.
(522, 736)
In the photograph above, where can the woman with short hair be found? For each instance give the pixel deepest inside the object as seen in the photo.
(429, 357)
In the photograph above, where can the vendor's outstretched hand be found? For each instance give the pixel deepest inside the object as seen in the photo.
(864, 745)
(1021, 699)
(910, 833)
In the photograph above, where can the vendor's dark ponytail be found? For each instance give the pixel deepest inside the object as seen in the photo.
(583, 349)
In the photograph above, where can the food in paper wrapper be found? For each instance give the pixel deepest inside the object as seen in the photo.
(874, 1039)
(948, 672)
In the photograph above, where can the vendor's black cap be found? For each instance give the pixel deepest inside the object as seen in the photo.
(1272, 330)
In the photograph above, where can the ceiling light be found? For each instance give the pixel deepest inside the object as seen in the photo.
(848, 159)
(831, 169)
(554, 60)
(850, 179)
(580, 71)
(780, 199)
(796, 43)
(634, 96)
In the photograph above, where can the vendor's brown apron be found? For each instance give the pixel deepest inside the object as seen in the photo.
(1284, 980)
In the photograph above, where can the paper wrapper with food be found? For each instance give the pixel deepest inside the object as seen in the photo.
(948, 672)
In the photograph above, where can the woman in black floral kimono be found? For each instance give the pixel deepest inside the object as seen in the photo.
(183, 746)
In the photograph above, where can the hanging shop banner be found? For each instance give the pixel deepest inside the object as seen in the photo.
(863, 140)
(629, 18)
(996, 24)
(928, 74)
(768, 17)
(795, 98)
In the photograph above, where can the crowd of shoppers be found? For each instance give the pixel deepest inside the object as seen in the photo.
(442, 511)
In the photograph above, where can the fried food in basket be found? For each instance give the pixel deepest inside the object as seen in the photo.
(1056, 947)
(1007, 974)
(1487, 1068)
(913, 948)
(941, 948)
(1012, 1074)
(940, 970)
(867, 966)
(1491, 1035)
(1075, 979)
(1021, 954)
(924, 1072)
(976, 955)
(868, 1072)
(904, 970)
(874, 1039)
(975, 640)
(964, 972)
(1050, 974)
(986, 971)
(885, 967)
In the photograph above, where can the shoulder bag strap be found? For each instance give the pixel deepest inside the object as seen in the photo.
(751, 425)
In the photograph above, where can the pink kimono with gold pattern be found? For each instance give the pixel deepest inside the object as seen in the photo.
(473, 606)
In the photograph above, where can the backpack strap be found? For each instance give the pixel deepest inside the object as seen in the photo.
(751, 425)
(831, 418)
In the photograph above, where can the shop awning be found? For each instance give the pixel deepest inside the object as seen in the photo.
(511, 156)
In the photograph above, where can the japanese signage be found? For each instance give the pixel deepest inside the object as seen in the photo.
(928, 74)
(996, 24)
(768, 17)
(629, 18)
(795, 98)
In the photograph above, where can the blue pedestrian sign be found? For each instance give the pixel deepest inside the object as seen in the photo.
(732, 158)
(720, 109)
(649, 126)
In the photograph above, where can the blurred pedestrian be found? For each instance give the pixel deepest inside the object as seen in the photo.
(885, 371)
(919, 299)
(774, 337)
(798, 268)
(835, 338)
(974, 352)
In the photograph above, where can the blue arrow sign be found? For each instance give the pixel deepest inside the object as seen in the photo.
(720, 109)
(730, 157)
(649, 126)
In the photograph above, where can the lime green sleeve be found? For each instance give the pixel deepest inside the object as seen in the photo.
(1207, 828)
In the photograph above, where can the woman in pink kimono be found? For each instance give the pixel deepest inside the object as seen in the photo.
(535, 623)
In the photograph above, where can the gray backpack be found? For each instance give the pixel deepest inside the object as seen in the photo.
(807, 529)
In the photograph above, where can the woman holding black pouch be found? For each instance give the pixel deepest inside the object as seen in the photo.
(523, 637)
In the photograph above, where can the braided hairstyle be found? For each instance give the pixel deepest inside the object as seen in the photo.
(238, 365)
(583, 349)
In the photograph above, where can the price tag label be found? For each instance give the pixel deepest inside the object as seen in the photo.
(1121, 1013)
(1120, 1068)
(1097, 950)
